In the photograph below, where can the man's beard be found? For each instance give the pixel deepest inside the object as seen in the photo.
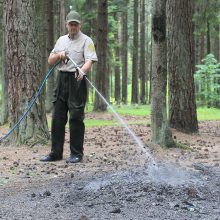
(73, 34)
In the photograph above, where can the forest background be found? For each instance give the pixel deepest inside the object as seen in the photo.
(161, 56)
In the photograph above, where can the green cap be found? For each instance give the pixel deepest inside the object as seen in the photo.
(73, 16)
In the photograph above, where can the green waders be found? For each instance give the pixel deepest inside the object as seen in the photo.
(70, 96)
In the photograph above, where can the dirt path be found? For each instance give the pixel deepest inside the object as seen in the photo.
(114, 181)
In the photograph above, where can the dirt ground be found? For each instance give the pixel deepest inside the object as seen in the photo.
(116, 179)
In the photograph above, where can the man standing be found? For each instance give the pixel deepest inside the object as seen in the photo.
(70, 93)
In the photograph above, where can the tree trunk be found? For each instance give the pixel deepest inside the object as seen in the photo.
(208, 39)
(4, 77)
(50, 45)
(23, 69)
(150, 73)
(135, 72)
(216, 43)
(142, 54)
(125, 52)
(101, 78)
(161, 134)
(202, 47)
(89, 27)
(182, 112)
(147, 50)
(117, 65)
(62, 16)
(42, 36)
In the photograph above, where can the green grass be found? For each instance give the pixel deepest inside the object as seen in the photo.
(205, 114)
(135, 110)
(99, 123)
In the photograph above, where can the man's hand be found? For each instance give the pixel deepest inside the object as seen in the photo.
(79, 75)
(62, 55)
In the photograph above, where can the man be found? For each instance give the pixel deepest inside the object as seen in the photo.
(70, 93)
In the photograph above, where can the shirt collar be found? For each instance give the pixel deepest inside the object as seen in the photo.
(75, 36)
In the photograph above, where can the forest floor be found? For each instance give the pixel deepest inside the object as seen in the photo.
(116, 179)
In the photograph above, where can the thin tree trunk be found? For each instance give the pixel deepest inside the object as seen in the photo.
(125, 53)
(142, 54)
(148, 49)
(161, 134)
(208, 44)
(24, 72)
(4, 79)
(117, 65)
(135, 74)
(62, 17)
(202, 47)
(50, 44)
(150, 73)
(42, 36)
(216, 43)
(101, 78)
(182, 112)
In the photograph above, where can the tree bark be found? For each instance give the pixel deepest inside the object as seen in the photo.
(42, 36)
(182, 112)
(135, 71)
(62, 16)
(4, 76)
(216, 43)
(50, 45)
(101, 78)
(202, 51)
(117, 64)
(208, 38)
(142, 54)
(125, 52)
(23, 69)
(161, 134)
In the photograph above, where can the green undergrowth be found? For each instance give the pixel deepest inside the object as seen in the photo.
(183, 146)
(89, 123)
(206, 114)
(133, 110)
(203, 114)
(178, 145)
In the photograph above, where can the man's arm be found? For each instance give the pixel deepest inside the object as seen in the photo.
(54, 57)
(85, 68)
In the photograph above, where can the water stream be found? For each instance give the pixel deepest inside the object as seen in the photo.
(122, 122)
(167, 173)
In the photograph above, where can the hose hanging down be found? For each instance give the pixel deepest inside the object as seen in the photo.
(30, 105)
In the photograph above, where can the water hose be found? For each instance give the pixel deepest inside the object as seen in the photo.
(33, 100)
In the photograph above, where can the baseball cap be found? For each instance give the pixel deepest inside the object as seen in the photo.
(73, 16)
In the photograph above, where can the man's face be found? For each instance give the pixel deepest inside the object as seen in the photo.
(73, 27)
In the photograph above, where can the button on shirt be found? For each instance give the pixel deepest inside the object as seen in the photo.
(80, 48)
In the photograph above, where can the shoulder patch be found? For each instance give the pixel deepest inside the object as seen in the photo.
(91, 48)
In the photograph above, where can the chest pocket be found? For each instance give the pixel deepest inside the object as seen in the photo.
(77, 54)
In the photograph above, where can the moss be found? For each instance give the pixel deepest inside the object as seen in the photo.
(179, 145)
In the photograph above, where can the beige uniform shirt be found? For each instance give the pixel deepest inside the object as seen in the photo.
(80, 49)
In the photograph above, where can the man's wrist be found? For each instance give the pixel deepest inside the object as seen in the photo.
(60, 56)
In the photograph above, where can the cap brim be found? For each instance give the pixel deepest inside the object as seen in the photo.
(73, 20)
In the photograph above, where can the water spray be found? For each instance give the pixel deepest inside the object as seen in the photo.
(118, 118)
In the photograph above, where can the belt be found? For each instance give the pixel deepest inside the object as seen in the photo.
(68, 72)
